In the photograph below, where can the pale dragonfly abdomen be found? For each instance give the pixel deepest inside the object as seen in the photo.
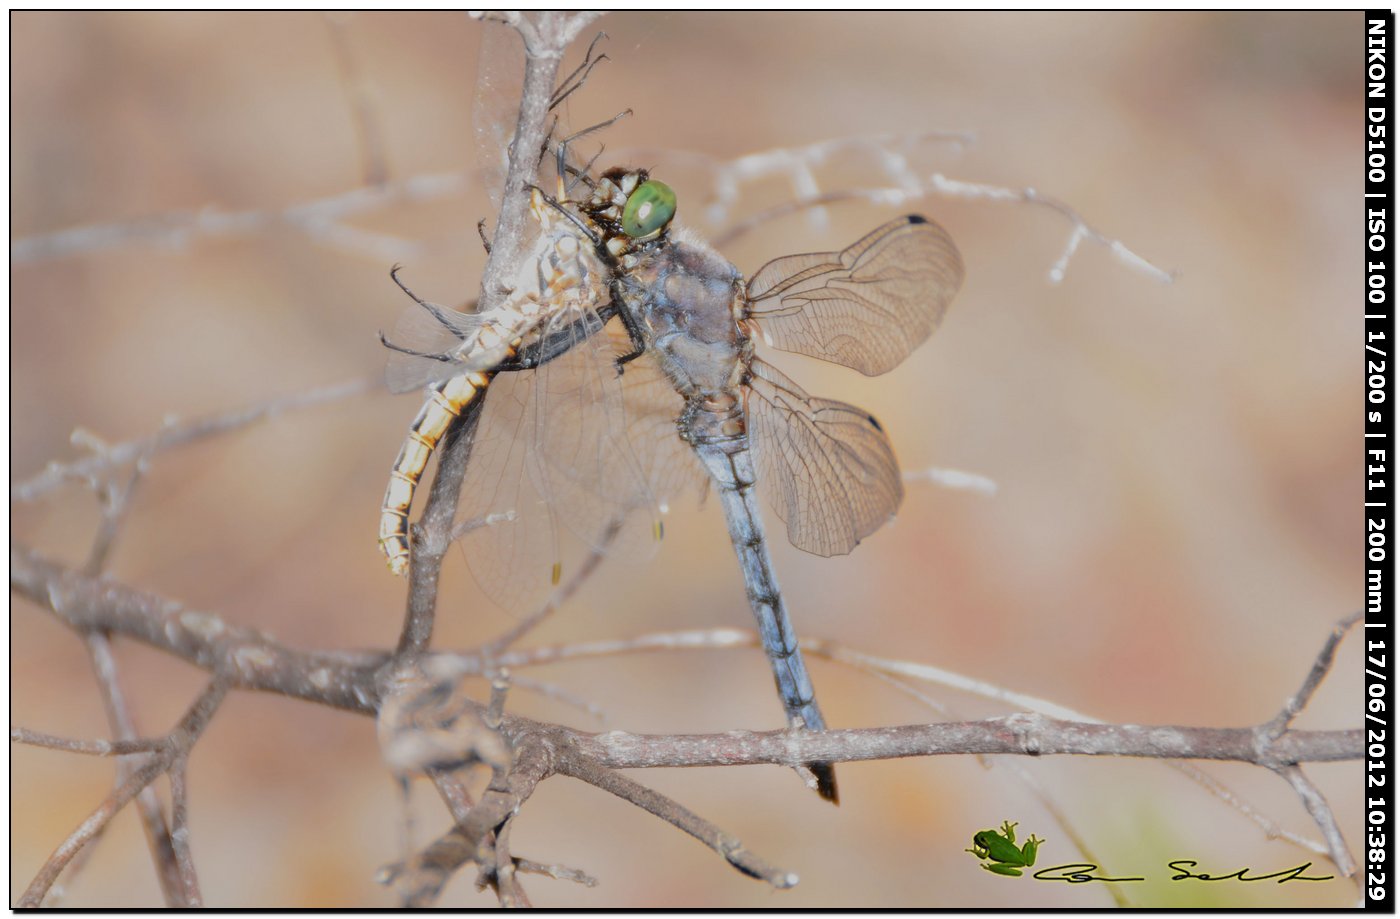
(561, 281)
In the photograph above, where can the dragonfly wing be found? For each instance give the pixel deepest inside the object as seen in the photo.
(668, 464)
(552, 468)
(428, 330)
(500, 75)
(509, 540)
(865, 307)
(594, 463)
(827, 467)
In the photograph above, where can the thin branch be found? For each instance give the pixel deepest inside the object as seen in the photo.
(558, 872)
(180, 831)
(939, 184)
(1026, 735)
(86, 832)
(175, 879)
(728, 847)
(459, 803)
(179, 742)
(1271, 829)
(253, 661)
(169, 874)
(501, 873)
(955, 479)
(116, 501)
(176, 433)
(895, 672)
(86, 747)
(1322, 815)
(1322, 665)
(247, 658)
(1081, 229)
(420, 881)
(320, 220)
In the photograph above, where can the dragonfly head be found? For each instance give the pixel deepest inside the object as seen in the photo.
(631, 207)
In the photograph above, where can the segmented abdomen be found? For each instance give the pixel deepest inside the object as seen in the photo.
(444, 404)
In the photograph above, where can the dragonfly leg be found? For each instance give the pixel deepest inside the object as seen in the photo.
(444, 356)
(437, 312)
(634, 330)
(581, 175)
(561, 151)
(580, 73)
(481, 231)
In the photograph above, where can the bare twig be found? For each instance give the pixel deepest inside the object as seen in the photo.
(896, 672)
(255, 661)
(459, 803)
(169, 873)
(176, 433)
(180, 831)
(86, 747)
(1322, 815)
(320, 220)
(248, 659)
(175, 879)
(955, 479)
(350, 681)
(432, 535)
(1027, 735)
(179, 742)
(728, 847)
(1322, 665)
(421, 880)
(1081, 229)
(940, 184)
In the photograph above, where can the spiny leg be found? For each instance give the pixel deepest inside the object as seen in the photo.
(580, 73)
(581, 175)
(437, 312)
(561, 152)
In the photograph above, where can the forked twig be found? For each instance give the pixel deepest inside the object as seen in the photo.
(178, 744)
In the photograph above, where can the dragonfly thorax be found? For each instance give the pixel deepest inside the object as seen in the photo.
(682, 295)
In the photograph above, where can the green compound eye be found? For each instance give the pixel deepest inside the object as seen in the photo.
(649, 209)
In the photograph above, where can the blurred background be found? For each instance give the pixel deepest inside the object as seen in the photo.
(1178, 519)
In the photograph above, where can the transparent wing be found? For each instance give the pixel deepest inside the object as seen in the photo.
(500, 74)
(672, 470)
(865, 307)
(429, 330)
(827, 467)
(553, 469)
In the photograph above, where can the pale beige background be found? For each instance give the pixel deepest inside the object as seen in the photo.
(1178, 524)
